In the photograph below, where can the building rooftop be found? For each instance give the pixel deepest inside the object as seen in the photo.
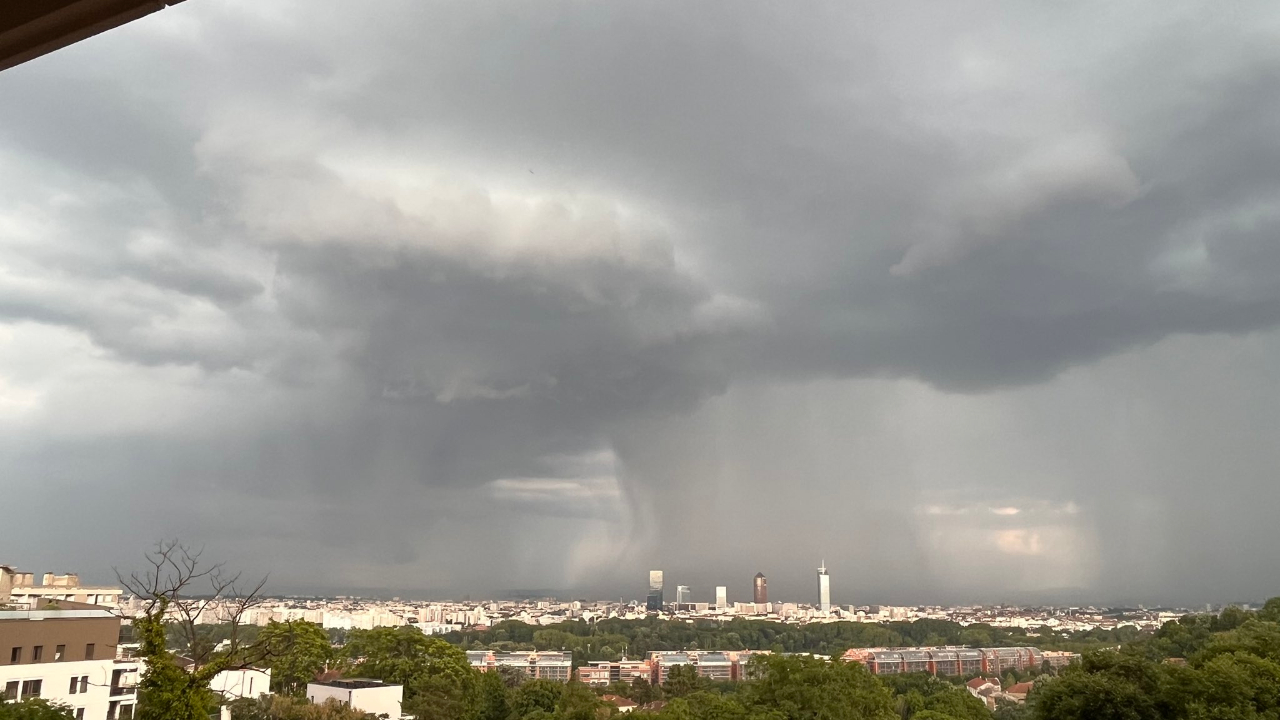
(31, 28)
(47, 614)
(354, 683)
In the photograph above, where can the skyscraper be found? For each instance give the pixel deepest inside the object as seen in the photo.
(683, 595)
(824, 588)
(722, 596)
(761, 594)
(655, 600)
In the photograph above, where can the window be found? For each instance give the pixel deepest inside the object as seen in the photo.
(79, 713)
(11, 690)
(31, 688)
(37, 653)
(75, 684)
(88, 651)
(84, 683)
(126, 712)
(15, 655)
(59, 652)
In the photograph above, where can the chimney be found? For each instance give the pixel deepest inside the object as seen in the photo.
(6, 582)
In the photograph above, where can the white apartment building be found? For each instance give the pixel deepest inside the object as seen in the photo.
(541, 665)
(370, 696)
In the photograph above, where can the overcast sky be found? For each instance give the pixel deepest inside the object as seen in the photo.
(976, 301)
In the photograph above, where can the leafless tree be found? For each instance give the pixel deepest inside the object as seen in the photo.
(177, 588)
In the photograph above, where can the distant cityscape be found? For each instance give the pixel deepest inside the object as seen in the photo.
(82, 624)
(438, 617)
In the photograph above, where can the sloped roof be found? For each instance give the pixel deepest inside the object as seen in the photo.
(31, 28)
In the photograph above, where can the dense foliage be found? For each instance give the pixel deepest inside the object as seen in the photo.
(612, 638)
(34, 709)
(295, 651)
(1224, 667)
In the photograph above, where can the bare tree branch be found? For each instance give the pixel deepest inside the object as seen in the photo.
(171, 584)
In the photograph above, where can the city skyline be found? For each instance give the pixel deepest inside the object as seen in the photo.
(978, 306)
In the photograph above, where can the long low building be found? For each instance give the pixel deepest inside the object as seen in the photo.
(709, 664)
(954, 660)
(556, 666)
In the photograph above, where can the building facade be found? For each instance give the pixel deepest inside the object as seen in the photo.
(654, 601)
(68, 656)
(722, 597)
(824, 588)
(683, 596)
(371, 696)
(760, 589)
(952, 660)
(557, 666)
(20, 589)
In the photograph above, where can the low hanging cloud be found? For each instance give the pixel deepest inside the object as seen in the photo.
(974, 306)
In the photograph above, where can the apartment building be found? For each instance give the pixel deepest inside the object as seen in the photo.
(69, 656)
(603, 672)
(556, 666)
(712, 665)
(20, 589)
(953, 661)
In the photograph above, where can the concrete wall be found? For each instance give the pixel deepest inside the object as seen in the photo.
(376, 700)
(23, 631)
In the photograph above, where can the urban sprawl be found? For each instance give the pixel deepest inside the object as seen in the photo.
(77, 652)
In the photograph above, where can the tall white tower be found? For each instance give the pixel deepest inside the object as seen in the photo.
(824, 588)
(722, 596)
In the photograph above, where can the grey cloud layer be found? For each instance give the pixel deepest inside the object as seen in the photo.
(384, 278)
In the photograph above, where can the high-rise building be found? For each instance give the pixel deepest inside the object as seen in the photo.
(655, 600)
(761, 594)
(824, 588)
(722, 596)
(683, 595)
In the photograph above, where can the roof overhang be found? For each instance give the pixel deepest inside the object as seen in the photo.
(31, 28)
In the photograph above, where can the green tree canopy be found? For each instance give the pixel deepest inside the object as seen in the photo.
(34, 709)
(805, 687)
(296, 651)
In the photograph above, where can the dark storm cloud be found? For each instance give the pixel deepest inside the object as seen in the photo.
(635, 275)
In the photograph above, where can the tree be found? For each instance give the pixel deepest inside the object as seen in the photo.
(296, 651)
(404, 655)
(1270, 611)
(492, 701)
(534, 696)
(805, 687)
(1092, 696)
(577, 702)
(682, 680)
(168, 590)
(438, 681)
(34, 709)
(642, 691)
(512, 677)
